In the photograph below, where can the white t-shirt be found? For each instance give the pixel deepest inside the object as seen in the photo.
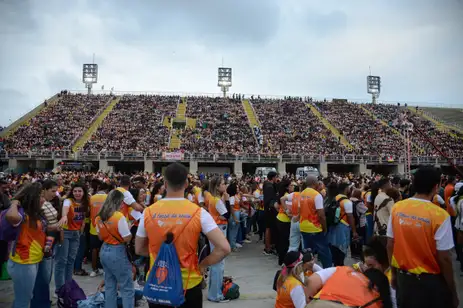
(221, 207)
(207, 223)
(122, 227)
(443, 235)
(298, 297)
(128, 198)
(319, 203)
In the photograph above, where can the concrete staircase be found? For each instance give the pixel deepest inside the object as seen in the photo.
(174, 140)
(181, 110)
(94, 126)
(329, 126)
(24, 120)
(395, 131)
(439, 125)
(166, 121)
(250, 113)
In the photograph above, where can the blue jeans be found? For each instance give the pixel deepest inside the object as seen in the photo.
(233, 228)
(80, 253)
(41, 295)
(24, 280)
(319, 244)
(117, 271)
(65, 256)
(295, 236)
(216, 275)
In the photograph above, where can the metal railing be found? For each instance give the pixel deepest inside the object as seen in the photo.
(226, 157)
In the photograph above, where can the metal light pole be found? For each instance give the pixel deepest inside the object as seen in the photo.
(90, 76)
(224, 79)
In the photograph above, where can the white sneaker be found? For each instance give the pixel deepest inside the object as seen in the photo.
(98, 272)
(238, 245)
(247, 241)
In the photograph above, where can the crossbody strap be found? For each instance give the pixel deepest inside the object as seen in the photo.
(371, 302)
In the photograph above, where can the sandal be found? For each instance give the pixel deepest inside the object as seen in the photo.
(81, 272)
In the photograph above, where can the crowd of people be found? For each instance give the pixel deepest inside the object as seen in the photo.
(221, 127)
(58, 125)
(367, 136)
(290, 127)
(309, 224)
(450, 145)
(287, 127)
(135, 124)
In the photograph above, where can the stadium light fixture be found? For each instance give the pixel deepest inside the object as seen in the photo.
(89, 75)
(224, 79)
(374, 87)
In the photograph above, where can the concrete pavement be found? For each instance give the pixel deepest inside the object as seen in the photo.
(251, 270)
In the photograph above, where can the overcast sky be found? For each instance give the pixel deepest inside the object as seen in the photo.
(275, 47)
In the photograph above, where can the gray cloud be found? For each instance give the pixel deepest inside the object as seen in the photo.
(290, 47)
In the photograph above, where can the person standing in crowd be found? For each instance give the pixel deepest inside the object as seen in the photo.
(313, 221)
(234, 220)
(270, 205)
(157, 192)
(283, 221)
(151, 234)
(404, 188)
(74, 210)
(366, 196)
(41, 297)
(27, 253)
(457, 202)
(260, 213)
(219, 206)
(4, 204)
(96, 202)
(291, 201)
(339, 235)
(383, 205)
(114, 231)
(129, 201)
(448, 193)
(360, 210)
(419, 247)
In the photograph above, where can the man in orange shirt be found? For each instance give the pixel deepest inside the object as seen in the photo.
(173, 214)
(419, 247)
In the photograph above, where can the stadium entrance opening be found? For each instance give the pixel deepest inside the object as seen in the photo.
(128, 167)
(215, 168)
(384, 169)
(160, 166)
(343, 169)
(178, 124)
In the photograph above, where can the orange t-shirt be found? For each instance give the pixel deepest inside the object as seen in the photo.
(76, 215)
(284, 299)
(448, 192)
(109, 230)
(414, 225)
(356, 295)
(30, 244)
(96, 201)
(175, 216)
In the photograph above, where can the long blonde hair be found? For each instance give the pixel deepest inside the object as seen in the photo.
(297, 272)
(214, 185)
(112, 204)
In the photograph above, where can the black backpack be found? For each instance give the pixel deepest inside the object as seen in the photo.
(333, 212)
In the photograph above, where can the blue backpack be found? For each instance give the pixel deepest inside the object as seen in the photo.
(164, 285)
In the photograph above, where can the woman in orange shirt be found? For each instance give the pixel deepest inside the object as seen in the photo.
(23, 265)
(75, 208)
(114, 231)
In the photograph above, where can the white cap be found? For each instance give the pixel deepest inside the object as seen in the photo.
(458, 186)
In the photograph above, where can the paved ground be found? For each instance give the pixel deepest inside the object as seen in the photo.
(252, 271)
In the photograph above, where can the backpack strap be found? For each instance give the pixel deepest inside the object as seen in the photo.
(339, 201)
(371, 302)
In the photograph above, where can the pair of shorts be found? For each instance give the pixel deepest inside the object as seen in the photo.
(95, 242)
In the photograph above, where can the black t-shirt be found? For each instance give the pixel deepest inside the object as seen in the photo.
(4, 202)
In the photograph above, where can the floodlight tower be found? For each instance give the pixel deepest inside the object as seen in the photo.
(224, 79)
(374, 87)
(90, 76)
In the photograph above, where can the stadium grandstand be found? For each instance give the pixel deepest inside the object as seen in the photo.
(236, 134)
